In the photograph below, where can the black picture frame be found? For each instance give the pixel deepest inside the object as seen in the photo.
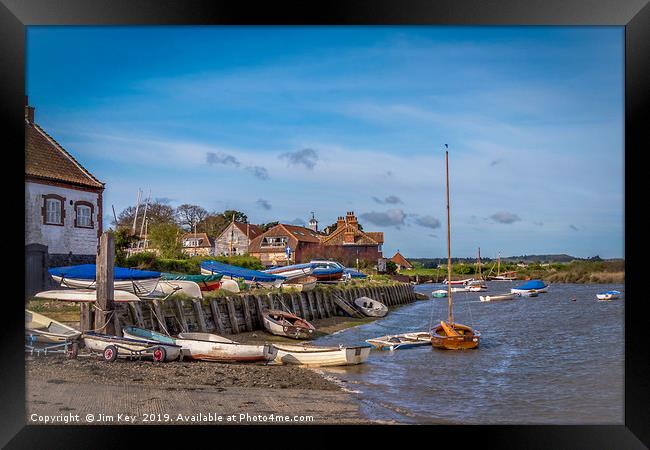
(15, 15)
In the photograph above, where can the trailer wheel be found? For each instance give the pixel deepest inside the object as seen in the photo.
(159, 354)
(74, 351)
(110, 353)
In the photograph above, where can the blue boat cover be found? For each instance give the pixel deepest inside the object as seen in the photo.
(239, 272)
(354, 274)
(88, 272)
(283, 268)
(532, 284)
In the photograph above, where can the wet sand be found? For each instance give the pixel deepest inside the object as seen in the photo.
(187, 392)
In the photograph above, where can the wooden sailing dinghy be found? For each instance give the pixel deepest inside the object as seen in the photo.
(285, 324)
(39, 328)
(307, 355)
(449, 335)
(400, 341)
(370, 307)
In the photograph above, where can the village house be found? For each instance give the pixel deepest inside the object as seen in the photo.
(236, 239)
(401, 262)
(197, 244)
(63, 206)
(352, 241)
(271, 246)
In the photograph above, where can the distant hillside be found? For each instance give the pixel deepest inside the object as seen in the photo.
(562, 258)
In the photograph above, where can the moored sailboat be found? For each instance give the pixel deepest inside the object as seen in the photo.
(449, 335)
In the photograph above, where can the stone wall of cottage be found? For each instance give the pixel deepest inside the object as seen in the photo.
(66, 239)
(239, 242)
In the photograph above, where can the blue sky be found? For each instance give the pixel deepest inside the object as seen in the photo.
(281, 121)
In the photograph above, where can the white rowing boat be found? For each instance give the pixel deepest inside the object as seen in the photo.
(401, 341)
(84, 295)
(370, 307)
(39, 328)
(141, 288)
(211, 347)
(496, 298)
(184, 287)
(313, 356)
(609, 295)
(300, 284)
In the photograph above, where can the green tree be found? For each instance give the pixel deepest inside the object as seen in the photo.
(391, 267)
(123, 239)
(189, 215)
(165, 237)
(239, 216)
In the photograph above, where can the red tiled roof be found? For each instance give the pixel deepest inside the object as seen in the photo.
(46, 159)
(400, 260)
(295, 234)
(302, 233)
(253, 230)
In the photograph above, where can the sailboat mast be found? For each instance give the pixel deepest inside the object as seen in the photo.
(479, 263)
(448, 241)
(499, 265)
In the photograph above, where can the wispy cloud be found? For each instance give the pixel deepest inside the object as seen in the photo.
(306, 157)
(573, 227)
(495, 162)
(297, 221)
(539, 223)
(390, 200)
(259, 171)
(428, 222)
(263, 204)
(505, 217)
(390, 218)
(222, 158)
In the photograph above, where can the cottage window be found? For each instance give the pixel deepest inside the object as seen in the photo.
(83, 214)
(52, 211)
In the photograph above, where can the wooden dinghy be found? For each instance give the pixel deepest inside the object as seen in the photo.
(84, 295)
(454, 336)
(497, 298)
(39, 328)
(285, 324)
(400, 341)
(307, 355)
(301, 284)
(112, 347)
(212, 347)
(370, 307)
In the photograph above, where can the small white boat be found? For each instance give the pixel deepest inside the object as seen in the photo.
(184, 287)
(212, 347)
(307, 355)
(300, 284)
(39, 328)
(84, 295)
(440, 293)
(457, 282)
(609, 295)
(460, 289)
(370, 307)
(285, 324)
(401, 341)
(139, 287)
(112, 347)
(537, 286)
(526, 293)
(496, 298)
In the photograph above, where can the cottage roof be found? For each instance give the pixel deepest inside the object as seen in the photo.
(294, 233)
(400, 260)
(46, 159)
(360, 237)
(253, 230)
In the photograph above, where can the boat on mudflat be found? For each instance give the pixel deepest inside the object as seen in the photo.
(401, 341)
(307, 355)
(282, 323)
(370, 307)
(609, 295)
(39, 328)
(533, 285)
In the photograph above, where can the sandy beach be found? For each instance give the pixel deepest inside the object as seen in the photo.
(88, 390)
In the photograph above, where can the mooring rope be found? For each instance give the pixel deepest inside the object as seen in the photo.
(109, 317)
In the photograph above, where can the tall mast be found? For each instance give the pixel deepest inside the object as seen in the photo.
(499, 265)
(451, 318)
(137, 206)
(479, 262)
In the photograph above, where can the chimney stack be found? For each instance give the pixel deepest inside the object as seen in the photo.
(351, 220)
(29, 112)
(340, 222)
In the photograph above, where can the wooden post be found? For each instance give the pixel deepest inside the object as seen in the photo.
(104, 278)
(198, 312)
(85, 317)
(260, 309)
(178, 306)
(216, 317)
(302, 298)
(233, 318)
(248, 320)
